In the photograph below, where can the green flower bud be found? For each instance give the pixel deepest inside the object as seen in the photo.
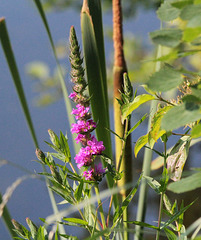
(54, 139)
(40, 155)
(18, 226)
(128, 89)
(55, 174)
(32, 226)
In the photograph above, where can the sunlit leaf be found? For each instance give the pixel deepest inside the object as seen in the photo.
(156, 130)
(177, 158)
(167, 37)
(181, 115)
(196, 131)
(137, 124)
(127, 109)
(143, 140)
(165, 79)
(191, 34)
(75, 220)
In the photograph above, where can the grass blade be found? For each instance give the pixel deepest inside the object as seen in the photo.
(61, 78)
(5, 41)
(7, 220)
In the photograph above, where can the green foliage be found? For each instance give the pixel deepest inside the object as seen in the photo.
(186, 184)
(166, 79)
(167, 37)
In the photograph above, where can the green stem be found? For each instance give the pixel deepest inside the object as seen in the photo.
(146, 165)
(100, 206)
(7, 221)
(162, 195)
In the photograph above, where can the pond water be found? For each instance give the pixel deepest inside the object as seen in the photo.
(30, 43)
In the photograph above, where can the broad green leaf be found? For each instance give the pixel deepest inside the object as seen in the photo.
(169, 37)
(181, 115)
(153, 184)
(177, 158)
(141, 142)
(174, 54)
(170, 235)
(186, 184)
(127, 109)
(142, 224)
(191, 34)
(194, 22)
(165, 79)
(167, 12)
(181, 3)
(76, 220)
(190, 11)
(196, 131)
(137, 124)
(196, 92)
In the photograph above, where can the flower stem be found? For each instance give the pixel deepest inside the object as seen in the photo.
(100, 206)
(161, 197)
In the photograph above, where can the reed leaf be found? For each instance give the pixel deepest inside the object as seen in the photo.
(61, 78)
(7, 220)
(6, 45)
(95, 75)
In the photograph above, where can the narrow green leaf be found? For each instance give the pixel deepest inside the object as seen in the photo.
(137, 124)
(170, 235)
(167, 37)
(96, 14)
(143, 224)
(76, 220)
(60, 73)
(186, 184)
(165, 79)
(94, 78)
(7, 48)
(78, 191)
(127, 109)
(153, 184)
(126, 202)
(143, 140)
(176, 215)
(167, 12)
(196, 131)
(181, 115)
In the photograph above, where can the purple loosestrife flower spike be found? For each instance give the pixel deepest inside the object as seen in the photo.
(77, 71)
(84, 125)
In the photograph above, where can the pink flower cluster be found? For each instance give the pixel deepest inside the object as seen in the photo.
(91, 147)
